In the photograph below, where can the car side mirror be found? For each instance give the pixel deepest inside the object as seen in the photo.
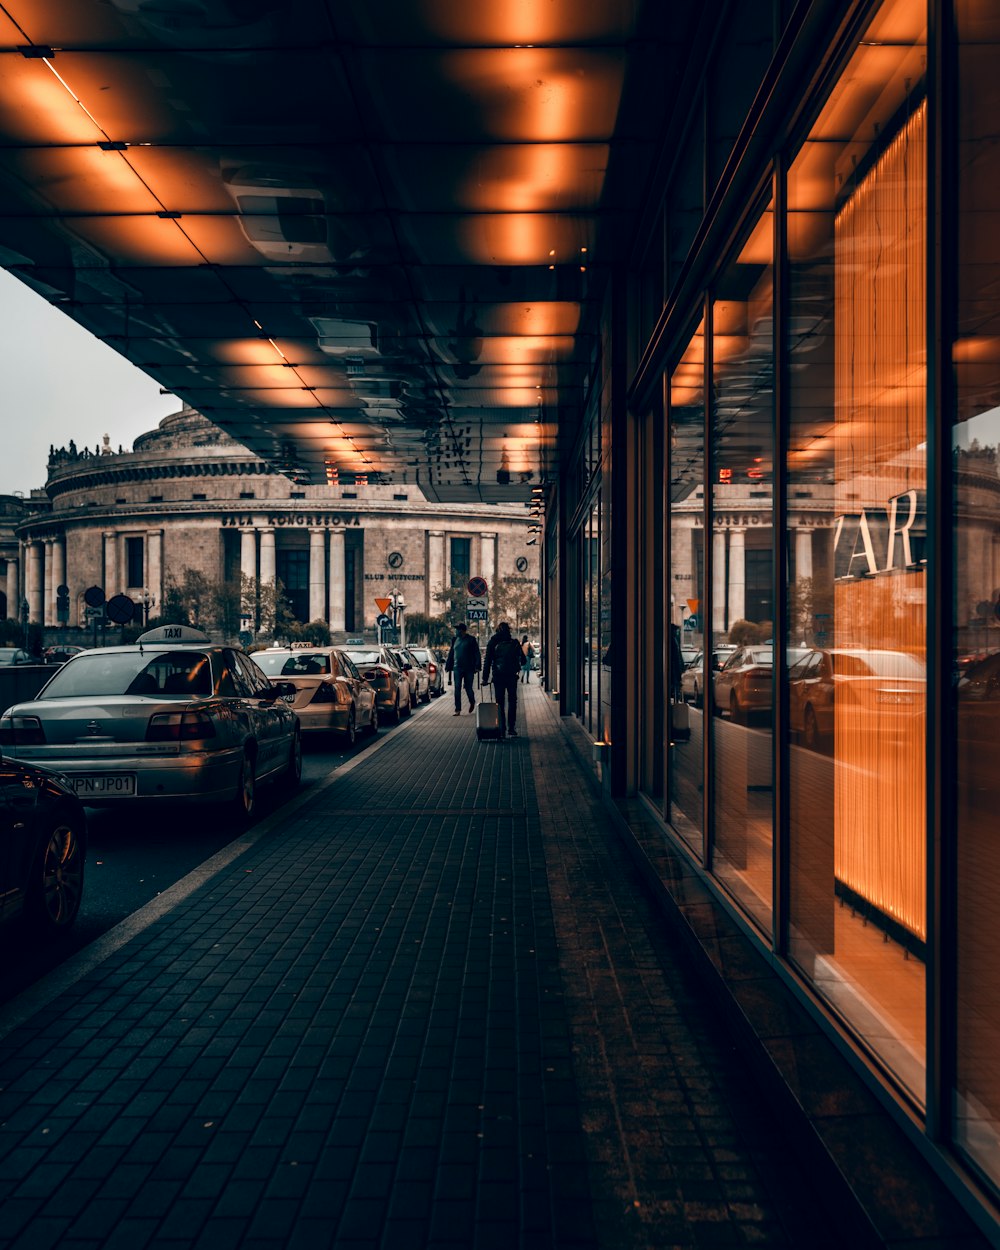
(407, 668)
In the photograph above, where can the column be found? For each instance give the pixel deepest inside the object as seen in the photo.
(267, 562)
(13, 591)
(487, 557)
(317, 575)
(58, 577)
(49, 602)
(248, 553)
(337, 581)
(34, 584)
(111, 582)
(737, 575)
(435, 571)
(803, 554)
(718, 584)
(154, 567)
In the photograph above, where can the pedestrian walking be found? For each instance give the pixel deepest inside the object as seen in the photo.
(503, 663)
(527, 659)
(463, 662)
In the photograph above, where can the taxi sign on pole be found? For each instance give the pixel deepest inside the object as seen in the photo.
(383, 605)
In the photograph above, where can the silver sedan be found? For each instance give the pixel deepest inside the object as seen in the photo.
(173, 717)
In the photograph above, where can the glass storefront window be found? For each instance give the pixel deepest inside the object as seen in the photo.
(856, 338)
(742, 635)
(686, 503)
(976, 734)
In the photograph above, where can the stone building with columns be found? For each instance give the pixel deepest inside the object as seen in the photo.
(187, 496)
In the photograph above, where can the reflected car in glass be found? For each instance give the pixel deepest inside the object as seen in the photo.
(745, 683)
(173, 718)
(44, 831)
(693, 677)
(886, 689)
(331, 696)
(381, 666)
(431, 659)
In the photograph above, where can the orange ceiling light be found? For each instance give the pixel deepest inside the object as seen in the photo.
(526, 22)
(523, 238)
(541, 177)
(47, 106)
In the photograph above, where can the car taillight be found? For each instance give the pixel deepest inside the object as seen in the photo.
(432, 669)
(179, 727)
(21, 731)
(325, 693)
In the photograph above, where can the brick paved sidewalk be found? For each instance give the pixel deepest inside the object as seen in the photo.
(432, 1010)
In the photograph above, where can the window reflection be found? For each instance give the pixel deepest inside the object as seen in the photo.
(976, 356)
(743, 571)
(857, 596)
(687, 565)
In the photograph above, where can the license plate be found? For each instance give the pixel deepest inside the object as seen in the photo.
(98, 785)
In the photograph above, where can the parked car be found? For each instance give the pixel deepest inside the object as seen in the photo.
(420, 678)
(886, 689)
(60, 654)
(331, 696)
(381, 666)
(44, 831)
(174, 717)
(433, 662)
(693, 677)
(745, 682)
(17, 655)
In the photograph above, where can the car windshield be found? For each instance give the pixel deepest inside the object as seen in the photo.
(298, 664)
(362, 658)
(421, 655)
(183, 674)
(7, 654)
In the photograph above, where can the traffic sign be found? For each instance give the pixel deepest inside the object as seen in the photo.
(383, 621)
(477, 614)
(383, 605)
(476, 601)
(693, 604)
(93, 614)
(477, 587)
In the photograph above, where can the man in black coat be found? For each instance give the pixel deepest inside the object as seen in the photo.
(463, 662)
(503, 660)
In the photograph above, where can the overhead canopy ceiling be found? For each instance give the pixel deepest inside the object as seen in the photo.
(367, 239)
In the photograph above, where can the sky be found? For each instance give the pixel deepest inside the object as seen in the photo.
(58, 382)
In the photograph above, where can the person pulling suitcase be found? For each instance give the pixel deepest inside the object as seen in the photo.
(503, 662)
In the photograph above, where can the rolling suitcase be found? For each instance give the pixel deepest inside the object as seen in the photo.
(487, 718)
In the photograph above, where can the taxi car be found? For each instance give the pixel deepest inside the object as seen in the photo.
(380, 665)
(330, 693)
(44, 838)
(171, 717)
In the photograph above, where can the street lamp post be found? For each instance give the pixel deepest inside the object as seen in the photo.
(398, 607)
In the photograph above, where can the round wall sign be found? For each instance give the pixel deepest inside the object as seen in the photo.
(395, 560)
(522, 563)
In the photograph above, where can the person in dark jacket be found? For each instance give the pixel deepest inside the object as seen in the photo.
(463, 662)
(503, 661)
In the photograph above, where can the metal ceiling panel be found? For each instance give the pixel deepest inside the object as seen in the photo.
(366, 241)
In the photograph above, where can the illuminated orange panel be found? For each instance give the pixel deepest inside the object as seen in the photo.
(524, 238)
(138, 240)
(542, 317)
(540, 94)
(84, 180)
(541, 177)
(36, 108)
(527, 21)
(528, 349)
